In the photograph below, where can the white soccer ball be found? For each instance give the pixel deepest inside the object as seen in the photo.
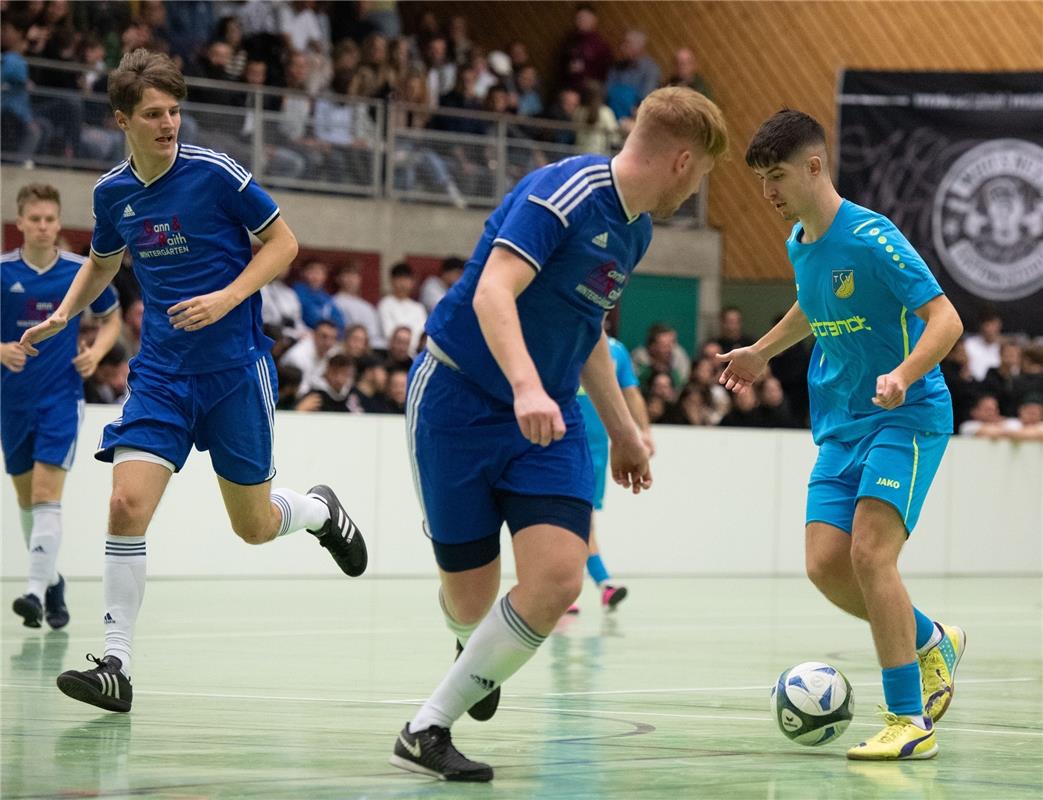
(812, 703)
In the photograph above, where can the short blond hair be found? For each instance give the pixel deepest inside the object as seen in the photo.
(36, 192)
(683, 113)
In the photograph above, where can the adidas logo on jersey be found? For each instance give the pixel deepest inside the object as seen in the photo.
(128, 211)
(601, 240)
(17, 287)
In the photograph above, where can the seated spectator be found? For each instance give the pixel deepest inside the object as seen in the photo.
(529, 102)
(396, 390)
(22, 133)
(963, 389)
(401, 60)
(130, 333)
(686, 73)
(330, 392)
(631, 78)
(316, 303)
(346, 127)
(400, 349)
(1002, 381)
(399, 308)
(600, 132)
(110, 381)
(292, 124)
(485, 78)
(459, 41)
(375, 77)
(661, 353)
(585, 55)
(304, 27)
(230, 32)
(356, 343)
(189, 26)
(434, 287)
(563, 109)
(367, 395)
(1030, 379)
(774, 410)
(441, 72)
(660, 396)
(278, 160)
(289, 385)
(983, 347)
(704, 376)
(1030, 416)
(213, 64)
(694, 407)
(281, 308)
(310, 353)
(791, 368)
(355, 309)
(732, 334)
(986, 419)
(744, 413)
(518, 52)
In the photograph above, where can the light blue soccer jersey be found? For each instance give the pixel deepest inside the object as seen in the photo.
(28, 296)
(858, 286)
(568, 222)
(188, 232)
(625, 377)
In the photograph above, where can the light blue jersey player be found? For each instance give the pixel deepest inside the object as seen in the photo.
(880, 414)
(495, 431)
(41, 399)
(612, 594)
(203, 376)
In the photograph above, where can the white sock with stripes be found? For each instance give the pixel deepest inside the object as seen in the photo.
(123, 584)
(299, 511)
(502, 643)
(43, 547)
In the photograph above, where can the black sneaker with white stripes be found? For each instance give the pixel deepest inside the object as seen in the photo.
(340, 535)
(484, 709)
(105, 686)
(431, 752)
(55, 611)
(30, 609)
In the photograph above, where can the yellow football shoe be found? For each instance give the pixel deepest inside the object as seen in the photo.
(900, 740)
(938, 671)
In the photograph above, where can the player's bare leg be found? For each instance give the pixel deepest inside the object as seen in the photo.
(827, 557)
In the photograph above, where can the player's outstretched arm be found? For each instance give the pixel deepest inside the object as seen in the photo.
(86, 361)
(629, 456)
(747, 364)
(90, 281)
(942, 331)
(504, 277)
(278, 249)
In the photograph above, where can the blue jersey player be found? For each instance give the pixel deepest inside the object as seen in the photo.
(597, 440)
(495, 431)
(204, 375)
(880, 413)
(41, 400)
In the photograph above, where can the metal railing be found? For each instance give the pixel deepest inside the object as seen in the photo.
(321, 143)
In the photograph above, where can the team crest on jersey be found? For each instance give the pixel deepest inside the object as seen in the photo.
(843, 283)
(603, 285)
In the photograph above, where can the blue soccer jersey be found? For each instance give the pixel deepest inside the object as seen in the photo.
(568, 222)
(28, 296)
(858, 286)
(625, 377)
(188, 232)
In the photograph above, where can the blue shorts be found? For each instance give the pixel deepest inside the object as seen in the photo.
(895, 465)
(45, 433)
(231, 413)
(467, 453)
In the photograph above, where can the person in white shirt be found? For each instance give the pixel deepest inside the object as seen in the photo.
(356, 309)
(399, 308)
(281, 308)
(983, 348)
(434, 287)
(311, 353)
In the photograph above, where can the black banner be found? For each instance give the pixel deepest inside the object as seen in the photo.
(955, 159)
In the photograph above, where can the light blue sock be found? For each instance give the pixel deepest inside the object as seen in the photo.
(902, 690)
(597, 569)
(924, 628)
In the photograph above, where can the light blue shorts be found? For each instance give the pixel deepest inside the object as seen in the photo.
(895, 465)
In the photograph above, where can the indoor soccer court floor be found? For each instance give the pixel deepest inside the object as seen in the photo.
(296, 688)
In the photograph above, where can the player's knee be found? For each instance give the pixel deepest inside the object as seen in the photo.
(560, 590)
(127, 512)
(251, 531)
(470, 610)
(867, 559)
(821, 569)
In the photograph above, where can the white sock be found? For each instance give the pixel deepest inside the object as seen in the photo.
(26, 515)
(299, 511)
(919, 720)
(461, 631)
(498, 648)
(123, 584)
(43, 547)
(934, 641)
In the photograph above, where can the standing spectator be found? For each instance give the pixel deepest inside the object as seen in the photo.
(316, 303)
(661, 353)
(732, 335)
(632, 77)
(434, 287)
(330, 392)
(1002, 381)
(309, 355)
(585, 55)
(304, 28)
(983, 347)
(382, 16)
(355, 309)
(458, 40)
(686, 73)
(600, 131)
(367, 395)
(518, 52)
(258, 18)
(190, 24)
(441, 72)
(399, 308)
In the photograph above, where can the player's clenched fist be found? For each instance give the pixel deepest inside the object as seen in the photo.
(890, 391)
(539, 417)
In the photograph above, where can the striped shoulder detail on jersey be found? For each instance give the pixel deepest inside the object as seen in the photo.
(867, 222)
(575, 190)
(112, 173)
(223, 160)
(266, 223)
(507, 244)
(76, 257)
(11, 255)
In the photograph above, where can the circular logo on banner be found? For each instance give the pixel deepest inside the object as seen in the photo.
(988, 219)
